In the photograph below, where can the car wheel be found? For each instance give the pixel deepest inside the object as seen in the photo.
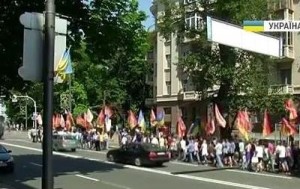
(110, 158)
(137, 162)
(73, 150)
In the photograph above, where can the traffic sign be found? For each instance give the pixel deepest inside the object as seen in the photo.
(33, 23)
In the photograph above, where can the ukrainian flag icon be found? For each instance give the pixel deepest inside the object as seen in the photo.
(253, 26)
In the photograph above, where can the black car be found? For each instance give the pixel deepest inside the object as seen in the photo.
(139, 154)
(6, 160)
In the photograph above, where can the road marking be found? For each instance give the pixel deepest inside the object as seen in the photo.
(91, 151)
(259, 174)
(88, 178)
(36, 164)
(195, 178)
(18, 140)
(114, 185)
(182, 163)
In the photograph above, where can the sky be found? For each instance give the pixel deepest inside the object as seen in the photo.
(145, 6)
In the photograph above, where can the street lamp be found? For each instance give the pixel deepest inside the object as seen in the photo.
(15, 99)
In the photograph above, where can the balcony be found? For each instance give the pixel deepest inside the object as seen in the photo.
(281, 4)
(188, 95)
(288, 51)
(281, 89)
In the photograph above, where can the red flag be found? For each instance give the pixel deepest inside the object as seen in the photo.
(290, 107)
(267, 124)
(153, 121)
(82, 121)
(57, 120)
(101, 118)
(108, 112)
(132, 121)
(219, 118)
(247, 122)
(210, 126)
(181, 128)
(69, 121)
(87, 120)
(287, 128)
(242, 124)
(53, 120)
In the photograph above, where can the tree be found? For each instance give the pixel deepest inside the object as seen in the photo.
(116, 39)
(242, 76)
(109, 44)
(11, 35)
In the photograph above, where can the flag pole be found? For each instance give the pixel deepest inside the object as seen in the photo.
(70, 92)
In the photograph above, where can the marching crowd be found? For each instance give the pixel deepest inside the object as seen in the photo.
(253, 155)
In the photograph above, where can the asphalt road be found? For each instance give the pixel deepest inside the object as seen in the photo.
(87, 169)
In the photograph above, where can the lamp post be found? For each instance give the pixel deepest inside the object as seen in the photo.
(15, 99)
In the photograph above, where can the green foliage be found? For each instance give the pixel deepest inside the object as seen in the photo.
(119, 43)
(109, 45)
(11, 28)
(243, 76)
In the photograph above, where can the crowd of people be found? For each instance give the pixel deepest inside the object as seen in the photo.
(255, 155)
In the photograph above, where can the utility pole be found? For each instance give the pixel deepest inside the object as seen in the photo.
(48, 76)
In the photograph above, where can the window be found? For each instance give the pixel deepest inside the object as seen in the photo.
(167, 110)
(168, 83)
(193, 21)
(285, 75)
(168, 57)
(290, 38)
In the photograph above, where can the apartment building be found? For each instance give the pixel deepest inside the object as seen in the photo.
(174, 91)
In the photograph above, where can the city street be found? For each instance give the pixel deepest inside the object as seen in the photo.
(88, 169)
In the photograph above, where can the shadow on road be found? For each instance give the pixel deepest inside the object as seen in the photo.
(202, 170)
(27, 170)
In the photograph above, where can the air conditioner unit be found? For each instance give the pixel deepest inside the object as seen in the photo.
(186, 2)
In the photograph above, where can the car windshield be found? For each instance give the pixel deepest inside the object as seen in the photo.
(68, 137)
(151, 147)
(2, 149)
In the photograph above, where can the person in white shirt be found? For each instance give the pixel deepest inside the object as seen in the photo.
(161, 142)
(183, 148)
(242, 150)
(124, 140)
(196, 150)
(204, 151)
(154, 140)
(259, 154)
(218, 149)
(281, 151)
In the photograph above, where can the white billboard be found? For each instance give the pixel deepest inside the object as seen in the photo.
(234, 36)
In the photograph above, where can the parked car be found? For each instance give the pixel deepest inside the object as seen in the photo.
(139, 154)
(6, 160)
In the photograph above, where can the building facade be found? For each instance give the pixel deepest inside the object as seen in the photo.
(174, 92)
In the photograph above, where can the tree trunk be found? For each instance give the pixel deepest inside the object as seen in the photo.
(228, 62)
